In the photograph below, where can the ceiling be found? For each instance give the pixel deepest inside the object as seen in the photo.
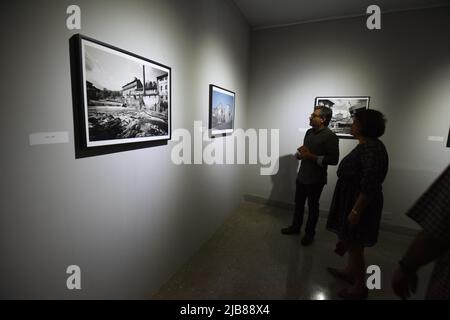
(272, 13)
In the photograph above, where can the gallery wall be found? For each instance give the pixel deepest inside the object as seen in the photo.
(128, 219)
(404, 68)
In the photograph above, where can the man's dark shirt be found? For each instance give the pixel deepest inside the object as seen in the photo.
(324, 144)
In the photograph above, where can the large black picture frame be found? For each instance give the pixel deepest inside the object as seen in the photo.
(121, 101)
(343, 108)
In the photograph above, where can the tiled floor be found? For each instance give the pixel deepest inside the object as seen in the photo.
(248, 258)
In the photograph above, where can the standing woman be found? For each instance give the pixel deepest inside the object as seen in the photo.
(357, 203)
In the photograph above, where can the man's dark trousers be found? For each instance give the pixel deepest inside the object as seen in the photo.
(311, 192)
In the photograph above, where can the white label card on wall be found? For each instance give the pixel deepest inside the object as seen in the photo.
(49, 138)
(436, 139)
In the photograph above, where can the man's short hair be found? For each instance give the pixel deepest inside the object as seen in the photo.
(325, 113)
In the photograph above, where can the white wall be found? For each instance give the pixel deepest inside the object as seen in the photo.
(129, 219)
(404, 68)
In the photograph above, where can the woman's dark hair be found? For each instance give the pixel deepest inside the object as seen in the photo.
(372, 123)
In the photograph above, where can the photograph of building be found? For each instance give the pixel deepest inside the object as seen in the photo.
(343, 109)
(119, 109)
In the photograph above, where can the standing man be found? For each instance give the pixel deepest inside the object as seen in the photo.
(320, 149)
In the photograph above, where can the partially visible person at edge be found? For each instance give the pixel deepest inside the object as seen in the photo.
(320, 149)
(355, 211)
(432, 213)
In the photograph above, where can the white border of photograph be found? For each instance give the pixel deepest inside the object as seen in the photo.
(129, 56)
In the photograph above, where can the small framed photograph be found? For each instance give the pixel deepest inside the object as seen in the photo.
(343, 110)
(122, 101)
(221, 111)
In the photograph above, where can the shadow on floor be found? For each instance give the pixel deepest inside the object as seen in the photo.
(247, 258)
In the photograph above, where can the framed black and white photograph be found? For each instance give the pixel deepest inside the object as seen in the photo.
(343, 110)
(221, 110)
(121, 98)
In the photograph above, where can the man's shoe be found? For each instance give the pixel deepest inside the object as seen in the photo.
(306, 241)
(290, 230)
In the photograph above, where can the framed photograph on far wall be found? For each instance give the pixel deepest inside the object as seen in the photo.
(221, 111)
(343, 109)
(122, 101)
